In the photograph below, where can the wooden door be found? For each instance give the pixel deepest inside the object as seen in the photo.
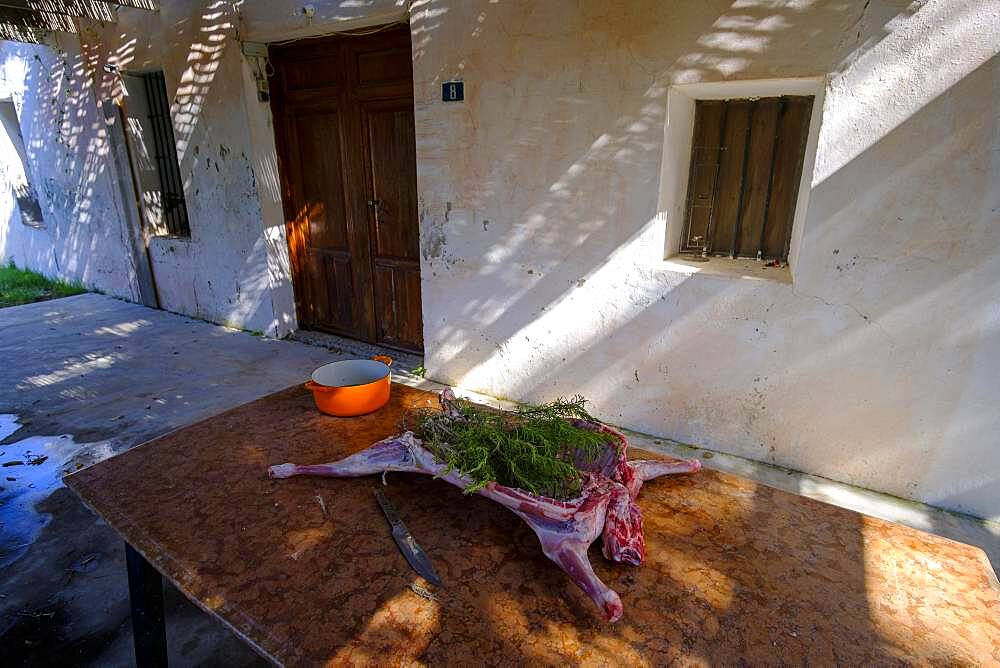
(343, 110)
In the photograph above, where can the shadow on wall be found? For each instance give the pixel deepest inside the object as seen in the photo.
(630, 148)
(533, 307)
(220, 273)
(945, 274)
(66, 147)
(537, 286)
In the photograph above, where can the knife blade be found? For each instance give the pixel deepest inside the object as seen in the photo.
(414, 554)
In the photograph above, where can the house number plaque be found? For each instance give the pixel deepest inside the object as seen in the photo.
(453, 91)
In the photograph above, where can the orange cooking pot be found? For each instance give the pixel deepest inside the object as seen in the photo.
(351, 387)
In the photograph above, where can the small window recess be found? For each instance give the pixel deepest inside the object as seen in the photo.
(746, 163)
(738, 157)
(153, 153)
(15, 169)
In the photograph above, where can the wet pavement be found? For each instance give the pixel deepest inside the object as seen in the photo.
(32, 469)
(82, 379)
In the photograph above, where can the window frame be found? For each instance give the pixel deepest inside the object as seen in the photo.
(784, 121)
(174, 220)
(675, 165)
(35, 217)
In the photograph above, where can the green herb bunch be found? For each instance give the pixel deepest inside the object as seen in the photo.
(532, 448)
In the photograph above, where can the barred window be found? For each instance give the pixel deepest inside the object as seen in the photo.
(154, 154)
(746, 163)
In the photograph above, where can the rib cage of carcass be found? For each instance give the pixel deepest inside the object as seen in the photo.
(565, 528)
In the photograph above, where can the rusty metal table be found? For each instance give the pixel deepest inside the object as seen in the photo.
(735, 570)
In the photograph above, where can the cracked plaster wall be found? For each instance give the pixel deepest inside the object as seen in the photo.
(542, 218)
(221, 272)
(66, 145)
(542, 232)
(229, 270)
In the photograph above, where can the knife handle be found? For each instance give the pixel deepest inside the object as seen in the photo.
(387, 509)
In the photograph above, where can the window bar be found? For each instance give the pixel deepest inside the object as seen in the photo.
(175, 197)
(155, 89)
(770, 178)
(706, 248)
(174, 209)
(734, 249)
(153, 106)
(156, 120)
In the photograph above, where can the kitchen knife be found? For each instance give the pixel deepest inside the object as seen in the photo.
(416, 557)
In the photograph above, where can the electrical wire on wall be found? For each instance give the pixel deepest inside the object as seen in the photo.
(358, 32)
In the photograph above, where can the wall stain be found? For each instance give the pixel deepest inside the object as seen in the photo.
(432, 241)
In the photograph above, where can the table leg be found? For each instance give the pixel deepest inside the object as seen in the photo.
(145, 591)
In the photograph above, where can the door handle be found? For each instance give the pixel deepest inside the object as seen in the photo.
(377, 205)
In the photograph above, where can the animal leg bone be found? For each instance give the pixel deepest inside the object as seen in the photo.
(647, 469)
(390, 454)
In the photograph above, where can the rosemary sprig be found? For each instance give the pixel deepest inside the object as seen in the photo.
(533, 448)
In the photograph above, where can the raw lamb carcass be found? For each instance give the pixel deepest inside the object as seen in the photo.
(605, 506)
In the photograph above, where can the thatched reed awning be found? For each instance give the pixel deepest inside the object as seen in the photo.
(29, 20)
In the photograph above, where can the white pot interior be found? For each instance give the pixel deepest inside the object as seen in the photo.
(350, 372)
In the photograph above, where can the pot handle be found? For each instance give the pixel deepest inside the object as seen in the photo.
(384, 359)
(313, 386)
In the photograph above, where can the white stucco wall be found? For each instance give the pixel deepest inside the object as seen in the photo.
(545, 200)
(67, 150)
(230, 269)
(221, 272)
(542, 230)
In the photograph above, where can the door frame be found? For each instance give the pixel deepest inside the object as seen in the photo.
(133, 217)
(357, 186)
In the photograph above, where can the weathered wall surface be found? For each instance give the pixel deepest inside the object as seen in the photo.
(66, 145)
(221, 272)
(225, 271)
(542, 232)
(544, 207)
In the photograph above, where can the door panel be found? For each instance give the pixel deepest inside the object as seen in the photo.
(330, 289)
(789, 152)
(384, 66)
(343, 111)
(397, 294)
(321, 180)
(315, 289)
(757, 181)
(144, 168)
(393, 163)
(391, 157)
(320, 212)
(311, 73)
(705, 171)
(732, 157)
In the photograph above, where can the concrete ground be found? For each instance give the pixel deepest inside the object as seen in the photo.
(90, 376)
(110, 375)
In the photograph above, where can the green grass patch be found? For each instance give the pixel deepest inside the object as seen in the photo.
(20, 286)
